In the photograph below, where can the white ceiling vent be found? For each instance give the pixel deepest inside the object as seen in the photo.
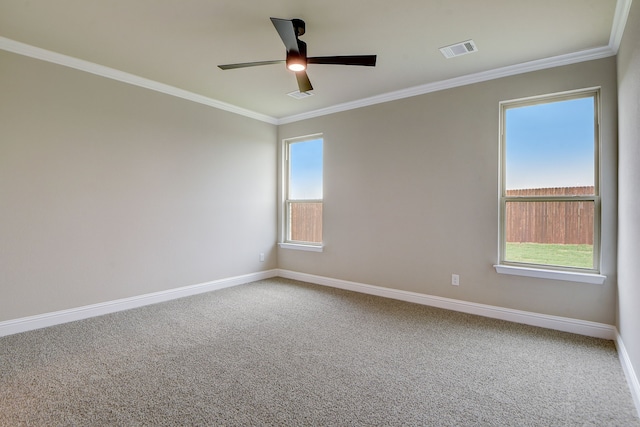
(300, 95)
(458, 49)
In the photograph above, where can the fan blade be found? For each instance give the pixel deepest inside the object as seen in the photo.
(249, 64)
(304, 84)
(287, 33)
(364, 60)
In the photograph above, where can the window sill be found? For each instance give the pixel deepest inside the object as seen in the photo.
(570, 276)
(301, 247)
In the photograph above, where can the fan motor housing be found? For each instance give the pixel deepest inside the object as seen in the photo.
(298, 26)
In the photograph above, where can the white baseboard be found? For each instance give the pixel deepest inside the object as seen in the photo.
(629, 372)
(582, 327)
(55, 318)
(565, 324)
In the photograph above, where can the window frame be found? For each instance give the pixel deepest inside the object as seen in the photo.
(286, 241)
(589, 275)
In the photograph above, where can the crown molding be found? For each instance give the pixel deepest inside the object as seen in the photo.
(111, 73)
(617, 30)
(511, 70)
(619, 22)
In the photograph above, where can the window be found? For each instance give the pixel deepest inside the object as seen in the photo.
(303, 191)
(550, 204)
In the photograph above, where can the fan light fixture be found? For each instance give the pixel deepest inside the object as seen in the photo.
(289, 30)
(296, 66)
(297, 61)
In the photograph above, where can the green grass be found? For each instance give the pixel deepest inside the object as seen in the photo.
(578, 256)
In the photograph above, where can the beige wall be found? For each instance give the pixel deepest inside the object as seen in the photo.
(411, 196)
(109, 190)
(115, 191)
(629, 187)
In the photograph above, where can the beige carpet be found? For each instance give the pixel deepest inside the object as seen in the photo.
(286, 353)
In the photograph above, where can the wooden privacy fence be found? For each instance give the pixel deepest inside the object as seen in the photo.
(306, 222)
(563, 222)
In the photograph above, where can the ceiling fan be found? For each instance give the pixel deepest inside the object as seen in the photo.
(297, 60)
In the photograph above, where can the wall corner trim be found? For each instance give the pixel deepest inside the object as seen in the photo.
(24, 324)
(632, 377)
(565, 324)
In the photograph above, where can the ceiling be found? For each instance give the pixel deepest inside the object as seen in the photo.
(176, 45)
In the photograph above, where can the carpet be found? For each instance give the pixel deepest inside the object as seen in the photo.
(286, 353)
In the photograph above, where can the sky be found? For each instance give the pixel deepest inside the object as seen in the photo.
(550, 145)
(305, 174)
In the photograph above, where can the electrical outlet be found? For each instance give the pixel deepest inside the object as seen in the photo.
(455, 280)
(261, 256)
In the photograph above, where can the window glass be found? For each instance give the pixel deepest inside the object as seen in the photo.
(550, 145)
(556, 233)
(303, 205)
(305, 169)
(550, 203)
